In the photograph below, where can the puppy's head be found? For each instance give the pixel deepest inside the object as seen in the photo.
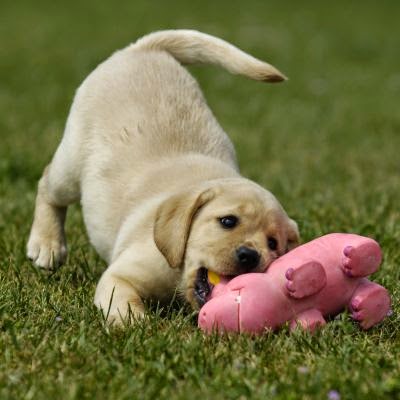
(230, 227)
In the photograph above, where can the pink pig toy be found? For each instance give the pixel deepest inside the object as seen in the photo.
(315, 280)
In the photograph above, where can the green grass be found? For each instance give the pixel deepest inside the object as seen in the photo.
(326, 143)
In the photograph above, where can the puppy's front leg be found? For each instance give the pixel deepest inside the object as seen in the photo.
(139, 272)
(47, 246)
(116, 295)
(118, 299)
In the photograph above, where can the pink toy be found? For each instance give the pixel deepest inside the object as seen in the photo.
(315, 280)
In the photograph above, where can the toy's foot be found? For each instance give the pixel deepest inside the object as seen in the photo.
(361, 259)
(305, 280)
(370, 304)
(309, 320)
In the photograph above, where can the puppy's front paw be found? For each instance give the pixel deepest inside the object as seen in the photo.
(118, 301)
(118, 312)
(123, 316)
(46, 251)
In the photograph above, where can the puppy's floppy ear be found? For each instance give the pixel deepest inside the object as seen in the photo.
(173, 221)
(293, 236)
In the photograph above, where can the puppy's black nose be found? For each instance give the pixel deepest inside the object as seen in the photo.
(247, 258)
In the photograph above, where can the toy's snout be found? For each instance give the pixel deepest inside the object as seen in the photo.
(221, 313)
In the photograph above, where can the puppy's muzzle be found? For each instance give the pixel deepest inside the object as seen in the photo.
(247, 259)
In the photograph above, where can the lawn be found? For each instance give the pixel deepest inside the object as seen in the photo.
(326, 142)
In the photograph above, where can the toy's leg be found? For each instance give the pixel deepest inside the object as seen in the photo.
(309, 320)
(305, 279)
(361, 258)
(370, 304)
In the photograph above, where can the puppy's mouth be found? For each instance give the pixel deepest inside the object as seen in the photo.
(202, 286)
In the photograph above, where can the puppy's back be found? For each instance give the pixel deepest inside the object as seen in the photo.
(142, 101)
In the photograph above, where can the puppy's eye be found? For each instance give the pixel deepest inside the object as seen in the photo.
(229, 222)
(272, 243)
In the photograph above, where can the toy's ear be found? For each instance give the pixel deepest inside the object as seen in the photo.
(293, 236)
(173, 222)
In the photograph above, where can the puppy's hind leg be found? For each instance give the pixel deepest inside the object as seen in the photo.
(57, 188)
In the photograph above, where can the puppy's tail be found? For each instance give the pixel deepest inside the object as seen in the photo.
(192, 47)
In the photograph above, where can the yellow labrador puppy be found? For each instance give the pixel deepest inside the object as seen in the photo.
(163, 200)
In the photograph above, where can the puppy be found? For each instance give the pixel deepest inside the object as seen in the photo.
(162, 198)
